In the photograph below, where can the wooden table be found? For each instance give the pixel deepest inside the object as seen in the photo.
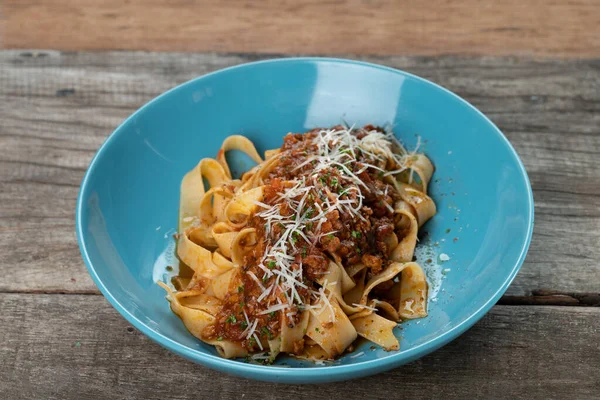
(60, 339)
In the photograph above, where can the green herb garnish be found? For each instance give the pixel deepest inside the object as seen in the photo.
(266, 332)
(231, 319)
(356, 234)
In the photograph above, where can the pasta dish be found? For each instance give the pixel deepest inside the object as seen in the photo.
(308, 250)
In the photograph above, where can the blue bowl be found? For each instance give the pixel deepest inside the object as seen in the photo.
(128, 202)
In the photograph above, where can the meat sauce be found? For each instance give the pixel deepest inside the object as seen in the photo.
(354, 240)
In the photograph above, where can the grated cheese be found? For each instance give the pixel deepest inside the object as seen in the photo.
(364, 306)
(336, 148)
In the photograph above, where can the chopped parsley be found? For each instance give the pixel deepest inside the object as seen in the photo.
(356, 234)
(231, 319)
(240, 288)
(272, 314)
(266, 332)
(243, 324)
(271, 264)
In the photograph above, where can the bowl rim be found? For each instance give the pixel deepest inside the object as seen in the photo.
(327, 373)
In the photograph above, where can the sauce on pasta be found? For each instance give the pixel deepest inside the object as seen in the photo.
(310, 249)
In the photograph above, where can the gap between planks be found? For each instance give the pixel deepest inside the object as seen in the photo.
(537, 298)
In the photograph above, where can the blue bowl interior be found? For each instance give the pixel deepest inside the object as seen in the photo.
(128, 205)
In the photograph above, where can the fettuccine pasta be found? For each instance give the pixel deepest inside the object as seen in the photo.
(309, 250)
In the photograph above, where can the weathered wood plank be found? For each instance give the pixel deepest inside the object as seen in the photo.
(76, 346)
(57, 108)
(547, 28)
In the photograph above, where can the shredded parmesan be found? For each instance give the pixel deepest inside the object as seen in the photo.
(336, 149)
(258, 341)
(364, 306)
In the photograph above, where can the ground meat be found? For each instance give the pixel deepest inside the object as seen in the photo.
(353, 258)
(330, 243)
(372, 262)
(315, 266)
(273, 189)
(383, 228)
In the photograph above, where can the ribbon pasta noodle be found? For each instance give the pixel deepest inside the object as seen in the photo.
(308, 250)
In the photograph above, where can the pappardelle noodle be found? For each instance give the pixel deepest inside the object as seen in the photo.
(310, 249)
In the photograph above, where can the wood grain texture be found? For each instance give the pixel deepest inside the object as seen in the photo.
(378, 27)
(57, 108)
(74, 347)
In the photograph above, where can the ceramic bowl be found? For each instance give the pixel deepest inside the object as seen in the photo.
(473, 248)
